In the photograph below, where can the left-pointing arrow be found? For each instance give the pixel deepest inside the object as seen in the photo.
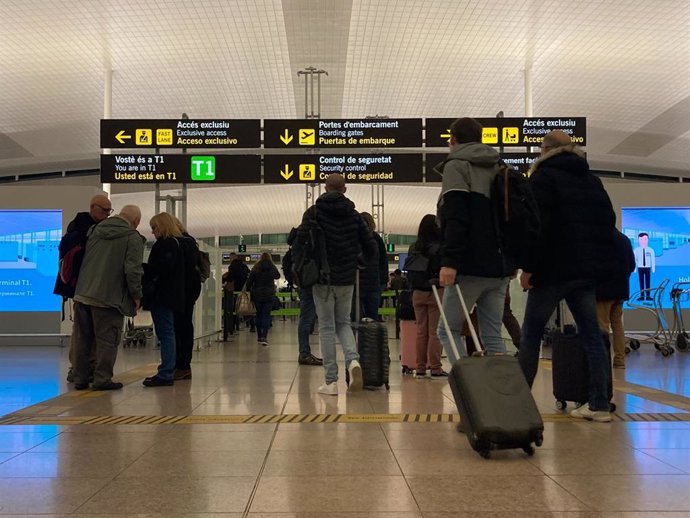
(121, 137)
(286, 173)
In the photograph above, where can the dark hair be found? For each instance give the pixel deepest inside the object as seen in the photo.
(428, 231)
(642, 234)
(466, 130)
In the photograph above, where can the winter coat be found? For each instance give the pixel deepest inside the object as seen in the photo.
(111, 272)
(617, 285)
(577, 220)
(374, 274)
(192, 276)
(261, 282)
(346, 234)
(164, 275)
(469, 241)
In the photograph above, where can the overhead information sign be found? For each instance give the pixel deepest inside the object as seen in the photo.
(511, 131)
(391, 168)
(342, 133)
(519, 161)
(180, 133)
(191, 168)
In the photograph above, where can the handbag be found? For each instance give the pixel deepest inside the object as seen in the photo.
(244, 306)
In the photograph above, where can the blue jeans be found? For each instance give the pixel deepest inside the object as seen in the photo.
(307, 314)
(489, 294)
(263, 318)
(164, 324)
(333, 304)
(580, 296)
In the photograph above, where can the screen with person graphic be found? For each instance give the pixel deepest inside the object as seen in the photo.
(29, 241)
(660, 237)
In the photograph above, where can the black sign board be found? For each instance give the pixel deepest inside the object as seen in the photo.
(180, 133)
(519, 161)
(191, 168)
(391, 168)
(342, 133)
(511, 131)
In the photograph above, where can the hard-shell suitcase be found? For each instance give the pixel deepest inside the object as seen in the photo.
(408, 346)
(570, 369)
(495, 403)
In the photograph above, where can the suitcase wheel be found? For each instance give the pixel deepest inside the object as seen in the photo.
(634, 344)
(539, 440)
(612, 407)
(628, 350)
(561, 405)
(407, 370)
(529, 450)
(480, 447)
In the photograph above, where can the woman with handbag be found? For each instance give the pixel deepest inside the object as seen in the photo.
(261, 285)
(423, 264)
(164, 292)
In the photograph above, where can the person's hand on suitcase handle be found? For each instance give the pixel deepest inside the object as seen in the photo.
(526, 281)
(446, 277)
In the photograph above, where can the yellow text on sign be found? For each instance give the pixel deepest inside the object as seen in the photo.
(490, 135)
(164, 137)
(143, 137)
(307, 137)
(307, 172)
(511, 135)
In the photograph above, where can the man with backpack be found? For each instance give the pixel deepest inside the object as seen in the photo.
(71, 250)
(471, 252)
(573, 254)
(329, 241)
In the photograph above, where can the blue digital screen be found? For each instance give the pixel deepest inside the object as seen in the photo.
(660, 237)
(29, 241)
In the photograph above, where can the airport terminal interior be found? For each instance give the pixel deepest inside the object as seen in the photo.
(249, 434)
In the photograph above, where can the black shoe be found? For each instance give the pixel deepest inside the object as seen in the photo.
(109, 385)
(310, 359)
(640, 298)
(70, 375)
(81, 386)
(155, 381)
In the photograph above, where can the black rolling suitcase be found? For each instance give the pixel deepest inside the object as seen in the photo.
(494, 401)
(570, 369)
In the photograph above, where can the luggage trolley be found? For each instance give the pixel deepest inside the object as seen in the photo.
(138, 330)
(680, 292)
(662, 337)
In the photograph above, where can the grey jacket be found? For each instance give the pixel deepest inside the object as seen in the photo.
(110, 275)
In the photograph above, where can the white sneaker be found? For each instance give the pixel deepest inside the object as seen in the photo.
(329, 389)
(583, 412)
(355, 370)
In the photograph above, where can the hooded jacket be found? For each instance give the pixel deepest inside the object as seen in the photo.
(111, 272)
(346, 235)
(469, 241)
(577, 220)
(617, 285)
(261, 281)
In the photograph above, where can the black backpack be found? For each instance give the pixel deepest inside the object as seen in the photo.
(516, 213)
(287, 268)
(309, 259)
(404, 310)
(421, 267)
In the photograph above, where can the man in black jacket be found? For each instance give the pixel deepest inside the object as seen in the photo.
(99, 209)
(572, 255)
(613, 292)
(346, 236)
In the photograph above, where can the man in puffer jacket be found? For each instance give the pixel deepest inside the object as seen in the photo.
(470, 252)
(573, 254)
(346, 236)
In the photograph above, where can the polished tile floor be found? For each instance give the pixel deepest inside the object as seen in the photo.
(381, 467)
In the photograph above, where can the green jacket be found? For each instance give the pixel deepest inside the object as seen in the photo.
(110, 275)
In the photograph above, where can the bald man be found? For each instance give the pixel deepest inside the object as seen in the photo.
(99, 209)
(571, 257)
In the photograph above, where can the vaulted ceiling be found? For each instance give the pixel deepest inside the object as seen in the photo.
(623, 64)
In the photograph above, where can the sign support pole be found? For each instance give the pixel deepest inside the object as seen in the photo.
(107, 112)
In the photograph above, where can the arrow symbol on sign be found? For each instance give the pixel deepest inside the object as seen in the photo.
(287, 174)
(446, 135)
(121, 137)
(287, 138)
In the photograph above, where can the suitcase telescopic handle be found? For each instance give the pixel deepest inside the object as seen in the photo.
(446, 326)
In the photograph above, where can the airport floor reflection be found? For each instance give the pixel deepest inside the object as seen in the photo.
(639, 465)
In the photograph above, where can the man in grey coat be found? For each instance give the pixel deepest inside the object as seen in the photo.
(109, 287)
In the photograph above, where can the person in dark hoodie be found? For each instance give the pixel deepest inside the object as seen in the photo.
(613, 292)
(470, 249)
(572, 255)
(346, 238)
(261, 284)
(164, 292)
(373, 277)
(77, 231)
(108, 289)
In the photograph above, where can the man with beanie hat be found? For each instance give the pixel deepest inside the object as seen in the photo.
(470, 249)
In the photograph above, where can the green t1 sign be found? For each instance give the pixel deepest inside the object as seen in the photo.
(203, 168)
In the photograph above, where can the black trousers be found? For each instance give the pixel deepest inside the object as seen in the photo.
(645, 277)
(184, 337)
